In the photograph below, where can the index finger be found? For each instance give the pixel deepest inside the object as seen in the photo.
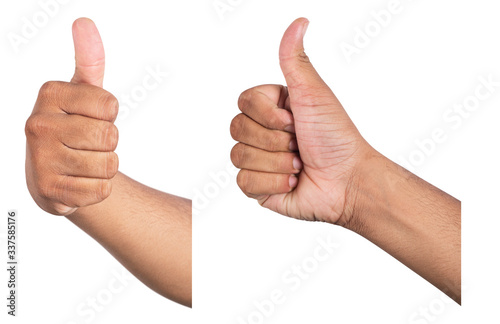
(267, 105)
(78, 99)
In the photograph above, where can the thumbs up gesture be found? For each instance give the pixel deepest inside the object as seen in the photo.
(70, 134)
(298, 149)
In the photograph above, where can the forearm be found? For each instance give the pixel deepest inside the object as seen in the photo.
(410, 219)
(148, 231)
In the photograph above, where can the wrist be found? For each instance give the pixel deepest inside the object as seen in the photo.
(366, 189)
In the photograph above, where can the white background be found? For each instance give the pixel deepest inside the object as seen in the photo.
(428, 58)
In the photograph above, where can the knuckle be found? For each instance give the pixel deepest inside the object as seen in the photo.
(109, 136)
(103, 189)
(242, 179)
(71, 159)
(302, 57)
(236, 128)
(278, 183)
(45, 189)
(38, 158)
(276, 163)
(245, 99)
(111, 165)
(49, 89)
(237, 154)
(37, 125)
(275, 142)
(61, 189)
(108, 106)
(274, 120)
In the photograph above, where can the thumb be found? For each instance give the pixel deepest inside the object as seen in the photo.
(89, 53)
(304, 83)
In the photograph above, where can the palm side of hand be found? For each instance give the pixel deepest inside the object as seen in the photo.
(329, 145)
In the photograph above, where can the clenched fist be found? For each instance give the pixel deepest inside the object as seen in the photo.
(299, 150)
(70, 134)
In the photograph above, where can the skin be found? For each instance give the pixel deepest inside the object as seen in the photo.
(72, 170)
(301, 155)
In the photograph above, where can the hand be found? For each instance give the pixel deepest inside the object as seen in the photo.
(299, 150)
(70, 134)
